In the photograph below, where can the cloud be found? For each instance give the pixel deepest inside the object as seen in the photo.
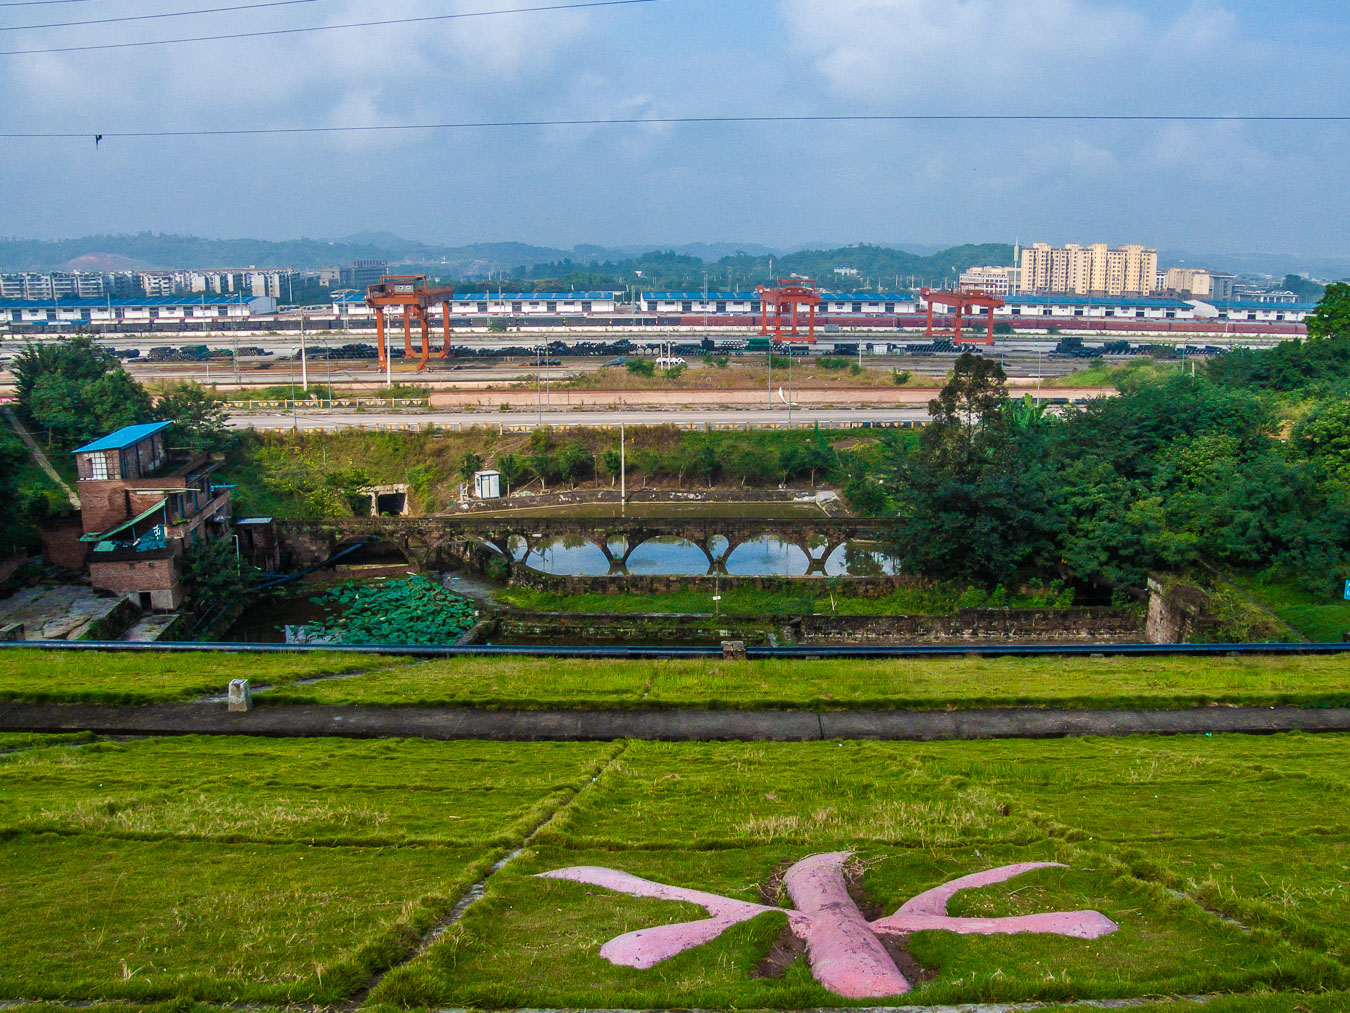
(936, 50)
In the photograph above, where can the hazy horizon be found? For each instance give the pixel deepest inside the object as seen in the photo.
(1207, 187)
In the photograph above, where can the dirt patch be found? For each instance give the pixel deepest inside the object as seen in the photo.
(788, 948)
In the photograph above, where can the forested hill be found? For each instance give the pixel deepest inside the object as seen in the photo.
(585, 267)
(147, 250)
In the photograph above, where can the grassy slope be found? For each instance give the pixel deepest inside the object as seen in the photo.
(259, 870)
(724, 817)
(806, 601)
(254, 870)
(927, 683)
(83, 677)
(1321, 620)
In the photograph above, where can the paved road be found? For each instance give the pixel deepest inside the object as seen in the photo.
(448, 723)
(682, 416)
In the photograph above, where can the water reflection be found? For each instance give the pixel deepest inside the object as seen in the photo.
(672, 555)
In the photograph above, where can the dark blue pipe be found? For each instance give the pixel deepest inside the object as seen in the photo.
(653, 651)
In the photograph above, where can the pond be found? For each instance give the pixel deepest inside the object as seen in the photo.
(671, 555)
(273, 619)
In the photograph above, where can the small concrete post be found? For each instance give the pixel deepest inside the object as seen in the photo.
(733, 650)
(241, 697)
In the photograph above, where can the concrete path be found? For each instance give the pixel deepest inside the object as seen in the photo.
(41, 457)
(448, 723)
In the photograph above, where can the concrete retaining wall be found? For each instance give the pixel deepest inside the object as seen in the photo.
(1090, 625)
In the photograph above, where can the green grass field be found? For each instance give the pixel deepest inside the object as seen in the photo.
(1322, 619)
(112, 678)
(534, 683)
(301, 870)
(1156, 683)
(250, 869)
(787, 602)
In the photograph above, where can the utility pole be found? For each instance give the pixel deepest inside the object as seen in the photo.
(539, 383)
(623, 471)
(304, 362)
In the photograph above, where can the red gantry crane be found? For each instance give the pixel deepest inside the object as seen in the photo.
(962, 300)
(793, 293)
(411, 292)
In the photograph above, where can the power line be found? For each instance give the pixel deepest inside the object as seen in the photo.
(327, 28)
(39, 3)
(689, 121)
(152, 17)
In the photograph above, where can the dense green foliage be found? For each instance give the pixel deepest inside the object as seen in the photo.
(77, 391)
(411, 611)
(1179, 473)
(199, 418)
(1331, 319)
(878, 268)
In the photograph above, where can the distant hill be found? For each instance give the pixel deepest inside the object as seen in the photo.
(678, 267)
(877, 267)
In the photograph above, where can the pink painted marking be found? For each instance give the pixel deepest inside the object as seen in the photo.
(845, 955)
(928, 911)
(647, 947)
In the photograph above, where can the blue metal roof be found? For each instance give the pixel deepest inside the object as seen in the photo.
(534, 296)
(124, 437)
(1277, 307)
(358, 297)
(70, 303)
(867, 297)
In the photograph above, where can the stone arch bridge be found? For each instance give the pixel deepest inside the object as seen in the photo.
(433, 542)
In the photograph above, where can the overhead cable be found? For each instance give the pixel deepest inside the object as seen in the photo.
(152, 17)
(693, 121)
(327, 28)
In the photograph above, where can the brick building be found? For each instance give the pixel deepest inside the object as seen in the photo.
(142, 507)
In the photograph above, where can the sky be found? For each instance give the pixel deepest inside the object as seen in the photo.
(1229, 187)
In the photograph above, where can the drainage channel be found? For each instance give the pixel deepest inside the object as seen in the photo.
(476, 892)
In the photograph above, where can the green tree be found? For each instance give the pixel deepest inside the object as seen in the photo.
(973, 498)
(77, 391)
(575, 462)
(641, 367)
(1331, 319)
(1324, 436)
(1306, 289)
(612, 461)
(468, 465)
(199, 420)
(513, 468)
(706, 463)
(544, 463)
(215, 573)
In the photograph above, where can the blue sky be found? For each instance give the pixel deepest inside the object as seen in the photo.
(1201, 187)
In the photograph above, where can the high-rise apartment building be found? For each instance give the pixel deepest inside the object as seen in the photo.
(364, 273)
(1089, 270)
(1192, 281)
(998, 281)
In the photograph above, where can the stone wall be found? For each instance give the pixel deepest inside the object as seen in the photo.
(61, 545)
(857, 587)
(1079, 625)
(642, 628)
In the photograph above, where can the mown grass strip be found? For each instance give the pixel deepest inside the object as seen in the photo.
(114, 678)
(1112, 683)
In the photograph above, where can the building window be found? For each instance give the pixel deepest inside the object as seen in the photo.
(98, 467)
